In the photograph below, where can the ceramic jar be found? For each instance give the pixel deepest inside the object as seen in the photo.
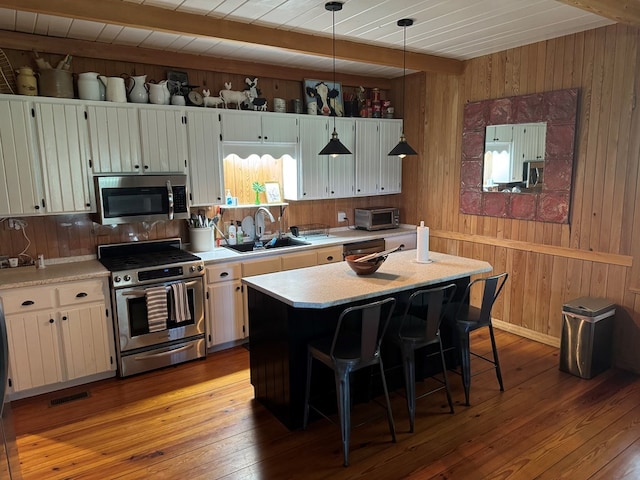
(115, 89)
(26, 81)
(159, 93)
(56, 83)
(89, 87)
(137, 89)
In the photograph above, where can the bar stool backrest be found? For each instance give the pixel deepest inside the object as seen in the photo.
(492, 287)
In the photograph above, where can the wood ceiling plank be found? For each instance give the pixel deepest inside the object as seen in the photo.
(155, 18)
(621, 11)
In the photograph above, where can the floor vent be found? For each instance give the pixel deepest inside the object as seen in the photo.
(69, 398)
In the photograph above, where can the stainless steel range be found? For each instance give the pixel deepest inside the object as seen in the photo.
(157, 296)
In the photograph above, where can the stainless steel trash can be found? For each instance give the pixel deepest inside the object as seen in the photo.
(587, 332)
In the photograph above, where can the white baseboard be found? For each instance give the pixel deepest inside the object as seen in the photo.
(526, 333)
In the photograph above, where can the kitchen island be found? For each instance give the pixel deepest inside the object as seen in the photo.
(288, 309)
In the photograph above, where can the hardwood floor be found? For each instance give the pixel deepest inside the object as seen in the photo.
(199, 421)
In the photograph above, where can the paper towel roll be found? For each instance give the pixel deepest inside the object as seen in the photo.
(422, 252)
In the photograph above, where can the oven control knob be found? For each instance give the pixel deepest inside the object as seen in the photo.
(200, 268)
(127, 278)
(116, 279)
(192, 268)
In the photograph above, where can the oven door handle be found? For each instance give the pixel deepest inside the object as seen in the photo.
(163, 354)
(141, 293)
(170, 197)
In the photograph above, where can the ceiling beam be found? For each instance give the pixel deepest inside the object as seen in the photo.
(125, 53)
(130, 14)
(621, 11)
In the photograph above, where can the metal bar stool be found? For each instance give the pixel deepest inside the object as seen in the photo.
(354, 345)
(420, 327)
(469, 318)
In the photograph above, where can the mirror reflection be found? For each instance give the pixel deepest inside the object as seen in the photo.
(514, 157)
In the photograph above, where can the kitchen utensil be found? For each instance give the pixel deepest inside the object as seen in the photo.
(364, 267)
(159, 93)
(248, 227)
(373, 256)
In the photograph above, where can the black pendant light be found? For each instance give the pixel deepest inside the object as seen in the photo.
(402, 149)
(335, 146)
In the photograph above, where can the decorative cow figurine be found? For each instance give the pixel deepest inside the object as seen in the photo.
(327, 100)
(254, 101)
(233, 96)
(209, 101)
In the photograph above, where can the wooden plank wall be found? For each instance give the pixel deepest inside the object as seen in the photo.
(548, 264)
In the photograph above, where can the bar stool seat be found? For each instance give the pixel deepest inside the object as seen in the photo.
(354, 346)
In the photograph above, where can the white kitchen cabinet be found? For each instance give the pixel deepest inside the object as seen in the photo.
(258, 127)
(377, 173)
(63, 143)
(306, 178)
(407, 241)
(499, 133)
(58, 334)
(528, 145)
(329, 254)
(163, 136)
(225, 315)
(19, 175)
(205, 173)
(342, 171)
(114, 135)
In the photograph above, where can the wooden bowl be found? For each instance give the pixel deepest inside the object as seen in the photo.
(364, 268)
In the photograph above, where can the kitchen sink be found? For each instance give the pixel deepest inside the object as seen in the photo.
(280, 243)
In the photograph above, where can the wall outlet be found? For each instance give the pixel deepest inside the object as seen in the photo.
(342, 217)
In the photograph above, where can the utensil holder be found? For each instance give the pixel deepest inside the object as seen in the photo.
(201, 239)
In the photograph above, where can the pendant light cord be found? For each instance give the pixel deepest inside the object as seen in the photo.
(404, 75)
(333, 35)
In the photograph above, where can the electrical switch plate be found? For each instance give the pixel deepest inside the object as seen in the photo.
(342, 217)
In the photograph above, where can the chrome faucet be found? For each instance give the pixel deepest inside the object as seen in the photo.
(262, 210)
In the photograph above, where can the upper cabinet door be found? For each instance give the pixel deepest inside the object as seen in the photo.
(241, 127)
(62, 141)
(259, 127)
(342, 168)
(18, 184)
(114, 136)
(203, 133)
(313, 168)
(367, 157)
(390, 167)
(163, 132)
(279, 128)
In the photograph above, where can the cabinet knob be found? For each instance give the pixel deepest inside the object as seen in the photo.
(37, 207)
(330, 258)
(136, 166)
(146, 167)
(64, 318)
(26, 303)
(51, 320)
(224, 274)
(81, 295)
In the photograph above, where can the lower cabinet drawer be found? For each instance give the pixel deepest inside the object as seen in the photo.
(27, 299)
(223, 273)
(80, 292)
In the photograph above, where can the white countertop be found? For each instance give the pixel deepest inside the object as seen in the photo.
(335, 237)
(335, 284)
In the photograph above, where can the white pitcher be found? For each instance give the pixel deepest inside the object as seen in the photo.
(159, 93)
(89, 86)
(115, 88)
(137, 89)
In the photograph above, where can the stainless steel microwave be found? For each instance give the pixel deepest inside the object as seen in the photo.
(141, 198)
(377, 218)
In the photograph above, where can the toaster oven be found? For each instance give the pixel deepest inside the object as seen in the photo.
(377, 218)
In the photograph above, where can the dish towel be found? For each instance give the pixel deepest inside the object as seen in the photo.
(180, 306)
(156, 308)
